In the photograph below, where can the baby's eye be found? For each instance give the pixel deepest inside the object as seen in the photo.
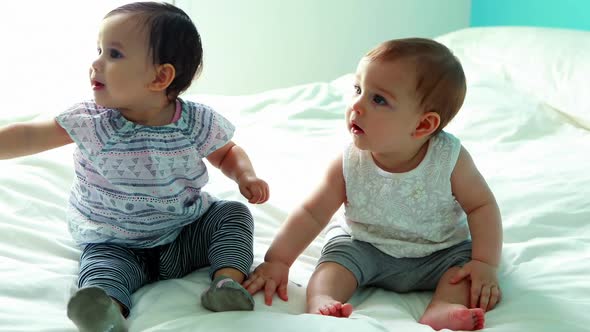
(379, 100)
(357, 89)
(98, 50)
(115, 54)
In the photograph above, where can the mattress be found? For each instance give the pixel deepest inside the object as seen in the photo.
(525, 121)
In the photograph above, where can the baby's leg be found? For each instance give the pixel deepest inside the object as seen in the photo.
(448, 307)
(91, 310)
(109, 274)
(231, 255)
(340, 271)
(223, 239)
(330, 286)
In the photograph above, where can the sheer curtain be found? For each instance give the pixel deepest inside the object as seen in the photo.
(47, 48)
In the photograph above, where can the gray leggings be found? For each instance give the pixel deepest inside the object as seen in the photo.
(222, 237)
(372, 267)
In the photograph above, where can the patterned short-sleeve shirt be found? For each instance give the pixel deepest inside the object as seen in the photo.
(138, 185)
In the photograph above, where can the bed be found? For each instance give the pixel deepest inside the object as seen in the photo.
(526, 121)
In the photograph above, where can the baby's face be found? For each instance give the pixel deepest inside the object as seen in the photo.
(384, 110)
(121, 73)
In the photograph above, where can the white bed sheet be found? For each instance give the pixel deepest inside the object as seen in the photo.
(534, 155)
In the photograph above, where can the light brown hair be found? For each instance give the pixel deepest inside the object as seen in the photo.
(440, 80)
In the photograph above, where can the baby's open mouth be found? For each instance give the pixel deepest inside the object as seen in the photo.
(97, 85)
(356, 129)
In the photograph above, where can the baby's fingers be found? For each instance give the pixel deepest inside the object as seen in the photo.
(475, 294)
(265, 193)
(282, 291)
(261, 193)
(248, 281)
(254, 284)
(484, 297)
(494, 297)
(269, 290)
(253, 193)
(247, 194)
(460, 275)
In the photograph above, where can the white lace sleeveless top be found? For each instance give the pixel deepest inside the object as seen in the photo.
(410, 214)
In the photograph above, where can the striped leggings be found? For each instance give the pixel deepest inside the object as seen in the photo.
(222, 237)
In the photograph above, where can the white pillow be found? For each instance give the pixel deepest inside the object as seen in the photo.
(551, 64)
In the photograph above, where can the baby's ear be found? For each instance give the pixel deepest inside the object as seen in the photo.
(428, 124)
(164, 76)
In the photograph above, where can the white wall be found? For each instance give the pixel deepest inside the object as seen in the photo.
(254, 45)
(250, 45)
(46, 51)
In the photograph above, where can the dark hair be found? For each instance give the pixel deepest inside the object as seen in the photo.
(440, 80)
(173, 39)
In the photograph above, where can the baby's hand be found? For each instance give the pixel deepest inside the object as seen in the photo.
(253, 188)
(273, 277)
(485, 292)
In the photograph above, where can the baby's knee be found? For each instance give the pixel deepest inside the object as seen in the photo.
(239, 213)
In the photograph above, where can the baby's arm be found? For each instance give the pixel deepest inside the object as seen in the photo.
(485, 224)
(233, 161)
(301, 227)
(21, 139)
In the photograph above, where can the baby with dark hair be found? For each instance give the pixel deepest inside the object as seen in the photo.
(137, 208)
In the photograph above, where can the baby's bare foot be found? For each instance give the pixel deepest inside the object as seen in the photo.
(336, 309)
(330, 307)
(454, 317)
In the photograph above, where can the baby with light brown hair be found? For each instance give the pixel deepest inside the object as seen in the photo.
(418, 215)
